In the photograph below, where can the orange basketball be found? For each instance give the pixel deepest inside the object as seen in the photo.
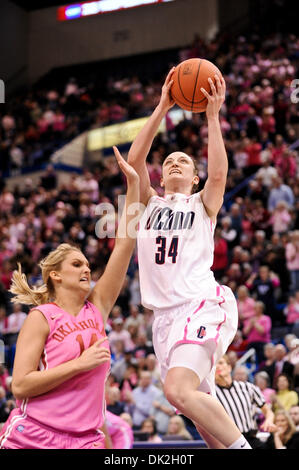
(188, 78)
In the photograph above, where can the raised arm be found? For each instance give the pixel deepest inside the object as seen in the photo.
(213, 191)
(142, 143)
(107, 288)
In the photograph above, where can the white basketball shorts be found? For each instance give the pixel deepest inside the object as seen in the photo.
(196, 334)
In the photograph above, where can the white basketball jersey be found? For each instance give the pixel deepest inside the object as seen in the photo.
(175, 251)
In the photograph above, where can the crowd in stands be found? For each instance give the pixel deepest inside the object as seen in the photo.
(256, 238)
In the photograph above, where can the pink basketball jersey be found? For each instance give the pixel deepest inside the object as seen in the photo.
(78, 404)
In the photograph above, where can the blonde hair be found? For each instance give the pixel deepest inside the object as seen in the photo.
(20, 288)
(182, 430)
(291, 426)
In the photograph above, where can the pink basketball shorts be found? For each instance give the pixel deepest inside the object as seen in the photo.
(195, 335)
(21, 432)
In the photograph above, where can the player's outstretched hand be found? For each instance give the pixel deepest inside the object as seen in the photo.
(166, 100)
(131, 175)
(216, 98)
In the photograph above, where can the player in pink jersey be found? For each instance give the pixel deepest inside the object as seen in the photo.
(62, 354)
(195, 318)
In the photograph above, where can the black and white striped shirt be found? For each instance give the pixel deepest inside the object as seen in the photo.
(240, 401)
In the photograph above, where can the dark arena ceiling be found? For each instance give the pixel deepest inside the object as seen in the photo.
(30, 5)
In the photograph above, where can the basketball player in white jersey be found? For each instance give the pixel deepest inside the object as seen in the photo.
(195, 318)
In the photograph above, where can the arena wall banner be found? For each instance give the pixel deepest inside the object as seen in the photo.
(83, 9)
(116, 134)
(125, 132)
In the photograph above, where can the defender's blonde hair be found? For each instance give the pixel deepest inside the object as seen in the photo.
(24, 294)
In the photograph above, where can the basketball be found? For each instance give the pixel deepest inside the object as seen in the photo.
(188, 78)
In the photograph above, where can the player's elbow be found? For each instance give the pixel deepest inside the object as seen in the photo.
(18, 390)
(17, 393)
(132, 159)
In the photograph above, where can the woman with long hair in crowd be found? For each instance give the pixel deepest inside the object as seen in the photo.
(62, 355)
(149, 426)
(286, 436)
(177, 428)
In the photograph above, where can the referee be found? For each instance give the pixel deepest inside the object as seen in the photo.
(240, 400)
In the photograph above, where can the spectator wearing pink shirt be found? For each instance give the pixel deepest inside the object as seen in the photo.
(292, 258)
(286, 164)
(3, 376)
(281, 218)
(279, 148)
(253, 150)
(262, 380)
(268, 121)
(119, 333)
(6, 201)
(6, 274)
(42, 125)
(245, 304)
(257, 330)
(59, 123)
(292, 309)
(155, 169)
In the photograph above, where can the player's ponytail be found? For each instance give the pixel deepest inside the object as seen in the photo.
(45, 293)
(23, 293)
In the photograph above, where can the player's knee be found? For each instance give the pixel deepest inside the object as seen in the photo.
(176, 395)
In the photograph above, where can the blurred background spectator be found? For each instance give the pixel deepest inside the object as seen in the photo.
(141, 398)
(177, 430)
(286, 436)
(285, 397)
(257, 330)
(294, 414)
(149, 426)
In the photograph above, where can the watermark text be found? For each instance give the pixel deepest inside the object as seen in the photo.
(127, 221)
(2, 352)
(295, 93)
(2, 92)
